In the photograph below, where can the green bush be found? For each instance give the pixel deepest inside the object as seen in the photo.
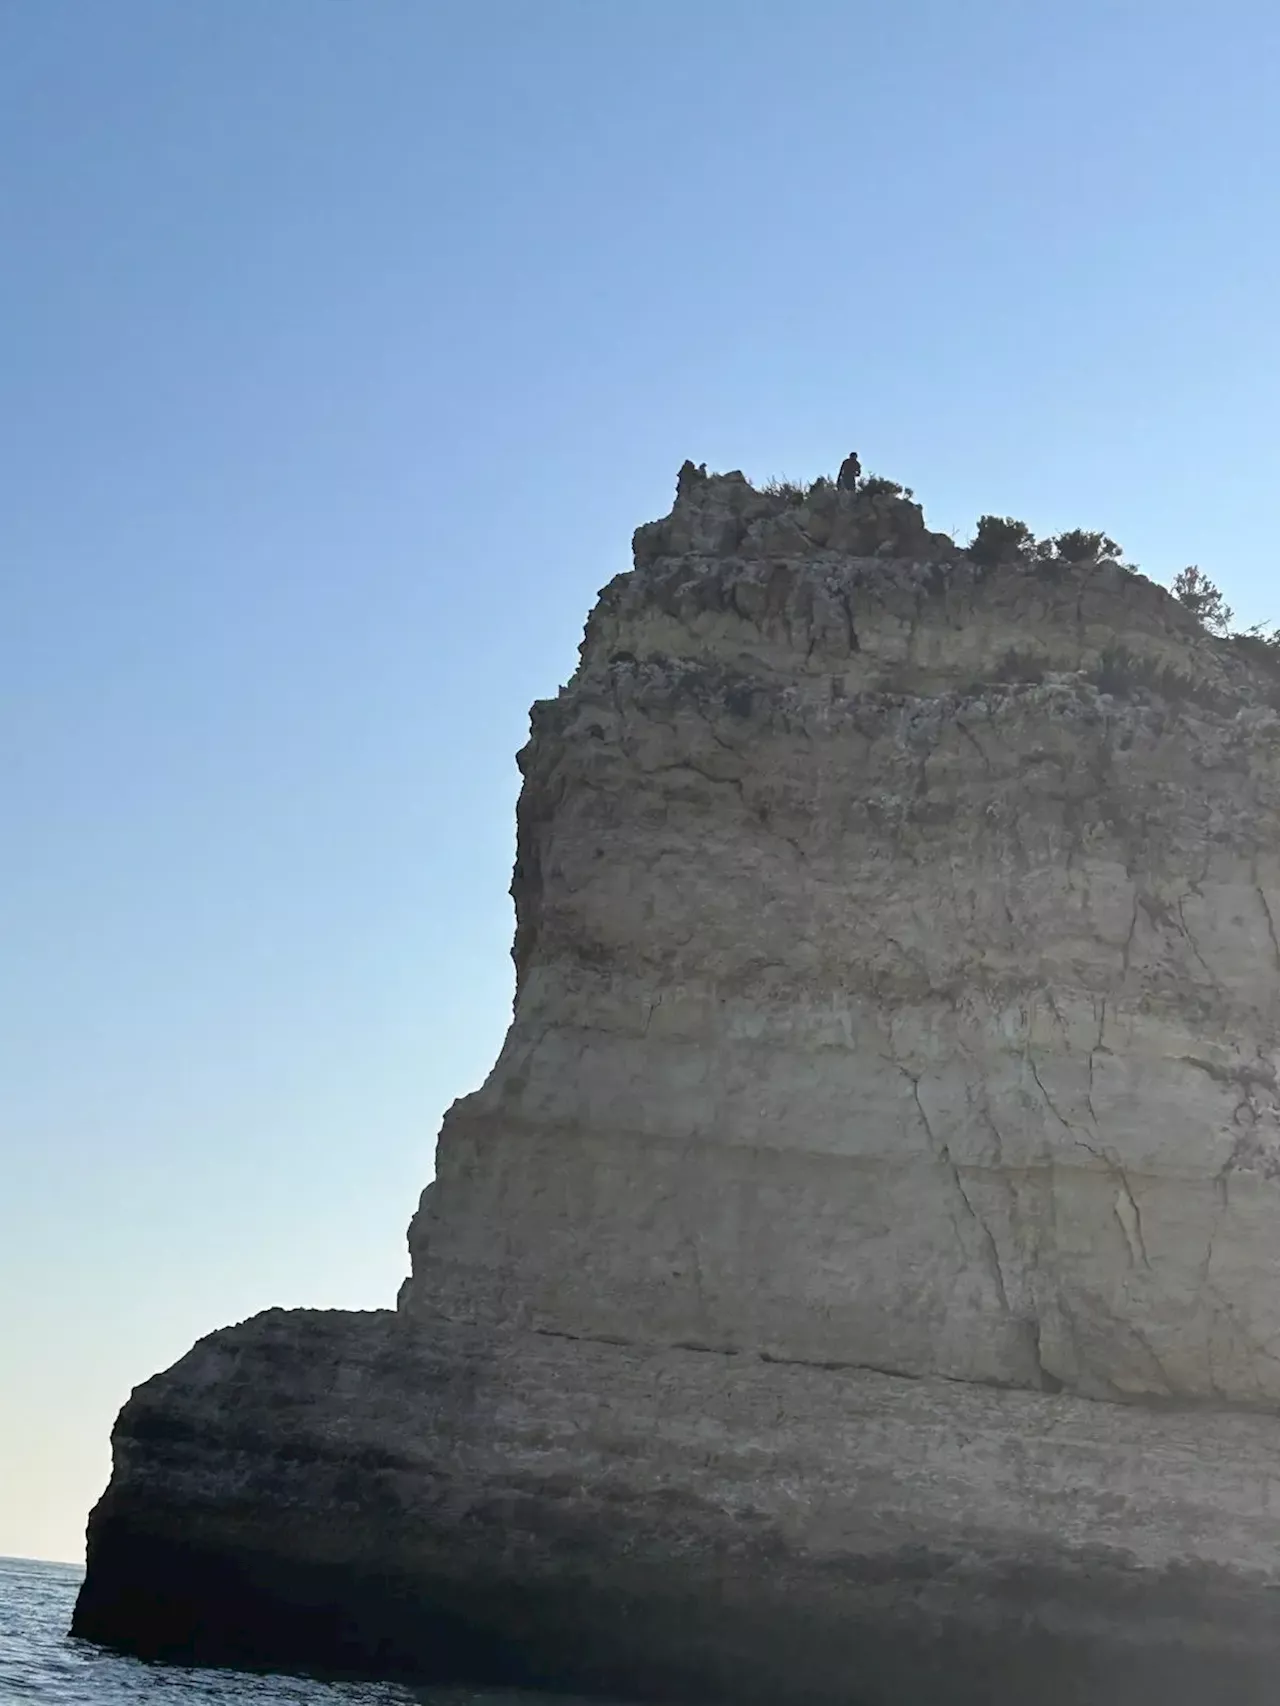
(1081, 545)
(1000, 539)
(1259, 647)
(794, 491)
(1196, 592)
(876, 486)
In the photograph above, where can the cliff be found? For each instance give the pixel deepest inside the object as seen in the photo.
(856, 1278)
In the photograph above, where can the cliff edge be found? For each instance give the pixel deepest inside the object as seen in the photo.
(856, 1279)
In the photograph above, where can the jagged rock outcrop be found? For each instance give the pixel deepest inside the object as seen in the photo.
(857, 1278)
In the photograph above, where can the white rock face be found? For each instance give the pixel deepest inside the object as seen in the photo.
(891, 994)
(850, 1279)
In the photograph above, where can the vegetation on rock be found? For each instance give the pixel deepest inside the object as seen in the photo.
(1196, 592)
(794, 491)
(1004, 541)
(1080, 545)
(1001, 539)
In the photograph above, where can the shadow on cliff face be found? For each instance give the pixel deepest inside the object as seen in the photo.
(914, 1629)
(164, 1598)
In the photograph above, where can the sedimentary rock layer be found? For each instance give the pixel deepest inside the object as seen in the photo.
(898, 976)
(857, 1278)
(360, 1492)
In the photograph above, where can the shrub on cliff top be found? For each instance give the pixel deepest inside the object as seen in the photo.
(1196, 592)
(1081, 545)
(1000, 539)
(1261, 648)
(794, 491)
(1259, 642)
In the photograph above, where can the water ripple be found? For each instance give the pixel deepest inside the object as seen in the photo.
(39, 1661)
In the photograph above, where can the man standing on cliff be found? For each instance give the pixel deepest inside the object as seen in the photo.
(850, 473)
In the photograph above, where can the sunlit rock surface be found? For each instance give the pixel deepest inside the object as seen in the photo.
(858, 1277)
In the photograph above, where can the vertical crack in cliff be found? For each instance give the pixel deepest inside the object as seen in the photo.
(975, 743)
(942, 1151)
(1097, 1049)
(1125, 1206)
(1191, 941)
(1141, 1339)
(1266, 913)
(1048, 1099)
(1028, 1312)
(1222, 1205)
(851, 631)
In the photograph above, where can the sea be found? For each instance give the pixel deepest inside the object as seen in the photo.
(39, 1661)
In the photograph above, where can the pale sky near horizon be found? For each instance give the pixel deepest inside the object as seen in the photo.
(343, 347)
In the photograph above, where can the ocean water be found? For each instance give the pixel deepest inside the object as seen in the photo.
(39, 1661)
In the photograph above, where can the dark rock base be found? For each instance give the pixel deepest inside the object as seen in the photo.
(354, 1496)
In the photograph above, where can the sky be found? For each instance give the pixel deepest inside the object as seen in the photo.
(342, 346)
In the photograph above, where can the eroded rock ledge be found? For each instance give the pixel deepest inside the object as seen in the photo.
(857, 1278)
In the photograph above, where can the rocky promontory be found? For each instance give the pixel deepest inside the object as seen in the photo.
(858, 1279)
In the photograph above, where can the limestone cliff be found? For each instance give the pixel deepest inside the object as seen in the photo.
(898, 996)
(897, 989)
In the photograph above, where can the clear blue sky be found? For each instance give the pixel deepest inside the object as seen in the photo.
(343, 345)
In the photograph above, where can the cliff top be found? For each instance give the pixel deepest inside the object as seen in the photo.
(749, 576)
